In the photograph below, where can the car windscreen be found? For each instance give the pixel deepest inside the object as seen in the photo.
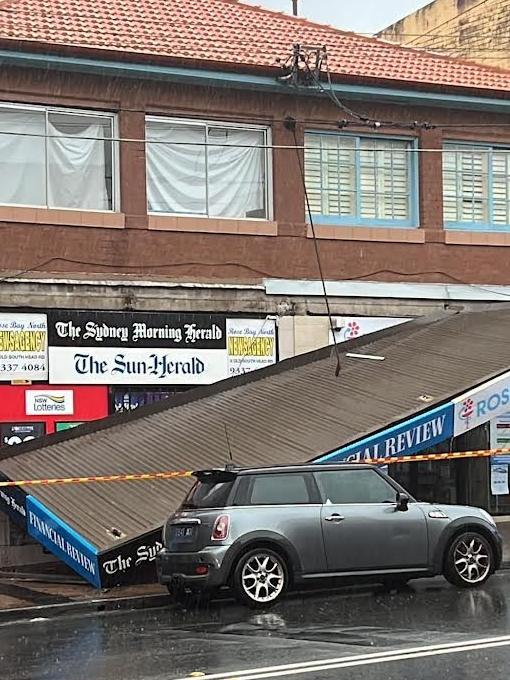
(208, 494)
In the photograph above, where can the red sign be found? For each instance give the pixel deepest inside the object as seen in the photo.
(88, 403)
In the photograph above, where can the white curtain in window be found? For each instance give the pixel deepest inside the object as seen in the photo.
(176, 173)
(236, 173)
(22, 157)
(77, 176)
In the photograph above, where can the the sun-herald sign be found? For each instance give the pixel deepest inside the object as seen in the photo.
(62, 540)
(481, 404)
(404, 439)
(153, 348)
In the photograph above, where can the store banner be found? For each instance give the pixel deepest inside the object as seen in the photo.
(55, 535)
(110, 366)
(119, 330)
(138, 348)
(251, 344)
(348, 327)
(45, 402)
(19, 433)
(23, 347)
(411, 436)
(480, 405)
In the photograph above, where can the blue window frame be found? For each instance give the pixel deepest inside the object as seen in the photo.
(476, 187)
(361, 180)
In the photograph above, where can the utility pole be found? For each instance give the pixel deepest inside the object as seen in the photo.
(295, 7)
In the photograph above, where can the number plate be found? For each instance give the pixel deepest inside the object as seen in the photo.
(183, 533)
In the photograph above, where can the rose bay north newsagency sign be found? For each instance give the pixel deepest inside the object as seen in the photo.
(23, 347)
(129, 348)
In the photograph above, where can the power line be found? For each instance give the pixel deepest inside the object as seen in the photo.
(291, 124)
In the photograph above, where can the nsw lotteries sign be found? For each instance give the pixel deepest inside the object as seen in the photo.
(481, 404)
(49, 402)
(409, 437)
(23, 347)
(134, 348)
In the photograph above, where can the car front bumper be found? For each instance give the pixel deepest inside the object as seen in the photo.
(181, 568)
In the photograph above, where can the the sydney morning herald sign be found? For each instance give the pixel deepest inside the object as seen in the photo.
(155, 348)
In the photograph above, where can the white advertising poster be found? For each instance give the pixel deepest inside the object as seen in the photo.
(499, 480)
(49, 402)
(349, 327)
(136, 366)
(251, 344)
(500, 438)
(482, 404)
(23, 347)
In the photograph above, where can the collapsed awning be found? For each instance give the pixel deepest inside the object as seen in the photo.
(294, 411)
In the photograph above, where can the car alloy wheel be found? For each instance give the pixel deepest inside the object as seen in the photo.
(469, 562)
(260, 578)
(472, 559)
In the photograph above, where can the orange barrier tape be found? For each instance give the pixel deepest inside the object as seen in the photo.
(417, 458)
(100, 478)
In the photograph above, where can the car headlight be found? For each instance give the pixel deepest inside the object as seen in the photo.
(487, 517)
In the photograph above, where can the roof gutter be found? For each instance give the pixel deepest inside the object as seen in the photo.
(243, 81)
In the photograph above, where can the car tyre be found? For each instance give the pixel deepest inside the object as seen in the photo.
(469, 561)
(260, 578)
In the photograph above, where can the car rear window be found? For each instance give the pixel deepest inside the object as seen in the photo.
(279, 489)
(210, 494)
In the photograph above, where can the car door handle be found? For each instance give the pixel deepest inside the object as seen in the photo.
(334, 518)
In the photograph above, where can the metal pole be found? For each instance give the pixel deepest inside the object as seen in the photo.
(295, 7)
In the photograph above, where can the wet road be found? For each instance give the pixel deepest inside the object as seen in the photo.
(428, 630)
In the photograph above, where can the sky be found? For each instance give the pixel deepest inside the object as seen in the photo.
(374, 14)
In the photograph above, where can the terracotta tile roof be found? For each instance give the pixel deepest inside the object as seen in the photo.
(228, 33)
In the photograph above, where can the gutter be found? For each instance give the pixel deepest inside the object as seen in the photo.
(245, 81)
(117, 283)
(375, 289)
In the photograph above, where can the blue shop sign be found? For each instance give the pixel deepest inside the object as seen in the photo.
(404, 439)
(62, 541)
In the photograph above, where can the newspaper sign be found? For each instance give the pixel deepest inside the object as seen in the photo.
(23, 347)
(251, 344)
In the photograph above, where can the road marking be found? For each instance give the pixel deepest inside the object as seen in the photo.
(360, 660)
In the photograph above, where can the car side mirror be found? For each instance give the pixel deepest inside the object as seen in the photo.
(402, 502)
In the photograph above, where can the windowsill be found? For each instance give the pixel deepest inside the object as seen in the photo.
(213, 225)
(383, 234)
(477, 238)
(67, 218)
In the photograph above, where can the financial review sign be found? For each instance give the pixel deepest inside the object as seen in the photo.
(411, 436)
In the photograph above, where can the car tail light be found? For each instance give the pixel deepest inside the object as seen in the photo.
(221, 528)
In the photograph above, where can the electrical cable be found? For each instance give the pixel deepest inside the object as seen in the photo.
(292, 127)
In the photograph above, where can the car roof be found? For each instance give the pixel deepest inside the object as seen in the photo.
(276, 469)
